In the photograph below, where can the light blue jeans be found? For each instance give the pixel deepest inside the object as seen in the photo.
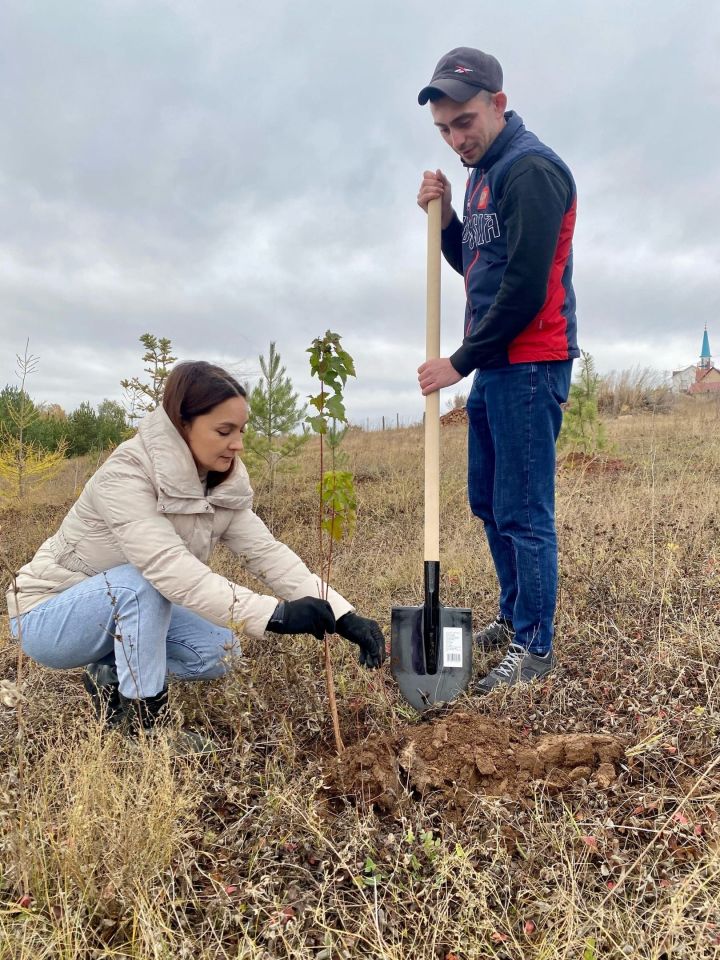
(118, 617)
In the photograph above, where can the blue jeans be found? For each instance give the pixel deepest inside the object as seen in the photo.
(515, 418)
(118, 617)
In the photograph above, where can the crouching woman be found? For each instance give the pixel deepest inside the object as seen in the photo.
(124, 587)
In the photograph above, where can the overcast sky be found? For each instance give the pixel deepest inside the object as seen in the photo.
(225, 173)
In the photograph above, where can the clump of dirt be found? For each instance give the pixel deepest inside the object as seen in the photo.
(592, 464)
(450, 761)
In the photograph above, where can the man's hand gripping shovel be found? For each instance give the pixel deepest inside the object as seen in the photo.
(431, 645)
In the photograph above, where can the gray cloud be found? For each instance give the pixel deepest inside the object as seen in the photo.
(226, 174)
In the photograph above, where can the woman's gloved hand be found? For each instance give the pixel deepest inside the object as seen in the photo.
(306, 615)
(367, 635)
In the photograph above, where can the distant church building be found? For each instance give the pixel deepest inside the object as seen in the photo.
(702, 378)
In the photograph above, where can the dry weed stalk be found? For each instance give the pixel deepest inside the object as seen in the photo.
(14, 698)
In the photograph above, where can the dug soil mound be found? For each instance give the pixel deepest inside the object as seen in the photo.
(457, 415)
(451, 761)
(591, 465)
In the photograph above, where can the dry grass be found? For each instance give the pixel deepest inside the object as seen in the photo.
(109, 850)
(635, 390)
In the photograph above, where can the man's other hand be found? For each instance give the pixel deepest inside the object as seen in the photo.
(435, 374)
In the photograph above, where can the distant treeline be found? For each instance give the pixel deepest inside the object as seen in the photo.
(84, 430)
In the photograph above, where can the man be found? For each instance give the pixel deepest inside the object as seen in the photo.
(514, 248)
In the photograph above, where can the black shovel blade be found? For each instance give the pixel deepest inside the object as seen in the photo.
(409, 655)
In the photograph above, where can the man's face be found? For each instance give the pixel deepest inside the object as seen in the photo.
(215, 438)
(470, 127)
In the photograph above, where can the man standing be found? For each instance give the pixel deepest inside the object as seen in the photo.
(514, 248)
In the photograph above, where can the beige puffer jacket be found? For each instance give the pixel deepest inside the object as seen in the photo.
(147, 506)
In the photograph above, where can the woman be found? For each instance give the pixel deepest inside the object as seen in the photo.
(124, 588)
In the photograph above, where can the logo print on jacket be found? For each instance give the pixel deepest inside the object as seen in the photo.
(484, 198)
(480, 228)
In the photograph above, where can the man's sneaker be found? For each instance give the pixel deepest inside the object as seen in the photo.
(496, 634)
(518, 666)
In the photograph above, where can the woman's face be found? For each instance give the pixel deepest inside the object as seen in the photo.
(215, 438)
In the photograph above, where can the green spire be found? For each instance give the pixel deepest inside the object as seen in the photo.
(705, 355)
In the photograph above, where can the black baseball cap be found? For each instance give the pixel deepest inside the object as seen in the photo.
(461, 74)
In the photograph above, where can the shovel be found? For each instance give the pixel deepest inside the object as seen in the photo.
(431, 645)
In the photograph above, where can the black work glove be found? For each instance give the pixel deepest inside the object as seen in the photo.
(367, 635)
(306, 615)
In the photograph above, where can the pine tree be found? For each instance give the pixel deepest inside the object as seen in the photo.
(274, 415)
(144, 397)
(23, 465)
(50, 429)
(112, 424)
(83, 429)
(582, 430)
(15, 404)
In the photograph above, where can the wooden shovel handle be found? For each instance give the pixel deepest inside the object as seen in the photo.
(432, 401)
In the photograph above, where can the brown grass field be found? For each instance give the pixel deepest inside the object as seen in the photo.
(578, 818)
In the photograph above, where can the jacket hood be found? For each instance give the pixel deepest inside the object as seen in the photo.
(180, 489)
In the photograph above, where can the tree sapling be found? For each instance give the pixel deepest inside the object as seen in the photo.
(337, 501)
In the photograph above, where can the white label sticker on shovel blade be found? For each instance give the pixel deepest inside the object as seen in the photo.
(452, 647)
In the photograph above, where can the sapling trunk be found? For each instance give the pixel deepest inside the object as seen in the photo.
(332, 365)
(329, 676)
(332, 702)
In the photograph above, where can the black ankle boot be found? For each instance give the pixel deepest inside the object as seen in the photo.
(145, 714)
(101, 682)
(151, 713)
